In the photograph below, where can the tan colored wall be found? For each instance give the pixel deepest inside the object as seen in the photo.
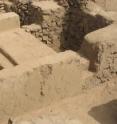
(100, 47)
(9, 21)
(22, 46)
(39, 83)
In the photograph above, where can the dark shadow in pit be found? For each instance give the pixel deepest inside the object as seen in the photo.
(77, 23)
(105, 114)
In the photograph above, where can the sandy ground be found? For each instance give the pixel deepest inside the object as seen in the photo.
(95, 106)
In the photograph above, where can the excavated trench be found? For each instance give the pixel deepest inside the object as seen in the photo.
(83, 82)
(67, 27)
(62, 26)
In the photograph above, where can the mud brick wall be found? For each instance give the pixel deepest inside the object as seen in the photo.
(100, 47)
(50, 29)
(27, 12)
(52, 26)
(35, 30)
(103, 60)
(2, 7)
(64, 28)
(106, 64)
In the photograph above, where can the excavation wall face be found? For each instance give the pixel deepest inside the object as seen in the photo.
(27, 12)
(42, 76)
(50, 29)
(36, 84)
(64, 28)
(78, 23)
(2, 7)
(22, 47)
(101, 48)
(59, 27)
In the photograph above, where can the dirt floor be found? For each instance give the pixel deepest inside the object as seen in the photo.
(95, 106)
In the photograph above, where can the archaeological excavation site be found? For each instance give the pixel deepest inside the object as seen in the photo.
(58, 61)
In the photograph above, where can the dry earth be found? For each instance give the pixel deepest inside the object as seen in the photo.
(95, 106)
(58, 62)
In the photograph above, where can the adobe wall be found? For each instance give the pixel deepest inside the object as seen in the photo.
(32, 75)
(50, 28)
(100, 47)
(22, 46)
(40, 82)
(64, 28)
(60, 27)
(37, 80)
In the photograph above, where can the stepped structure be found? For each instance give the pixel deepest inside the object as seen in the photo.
(58, 62)
(33, 68)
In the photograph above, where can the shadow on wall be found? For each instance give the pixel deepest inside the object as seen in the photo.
(27, 12)
(105, 114)
(76, 25)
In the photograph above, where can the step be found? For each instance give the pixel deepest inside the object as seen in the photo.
(94, 106)
(40, 82)
(22, 46)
